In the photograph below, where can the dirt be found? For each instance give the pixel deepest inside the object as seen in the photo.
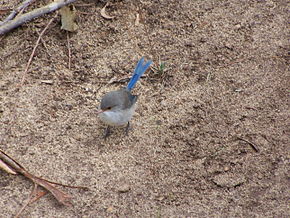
(226, 76)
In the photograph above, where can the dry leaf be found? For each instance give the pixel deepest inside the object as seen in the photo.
(6, 168)
(68, 16)
(103, 13)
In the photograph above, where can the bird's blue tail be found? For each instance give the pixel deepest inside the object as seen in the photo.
(138, 72)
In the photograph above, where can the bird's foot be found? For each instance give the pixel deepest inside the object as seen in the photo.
(127, 129)
(107, 132)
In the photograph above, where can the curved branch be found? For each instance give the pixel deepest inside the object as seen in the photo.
(17, 10)
(9, 25)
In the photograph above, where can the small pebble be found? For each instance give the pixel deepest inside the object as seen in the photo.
(110, 209)
(226, 168)
(124, 188)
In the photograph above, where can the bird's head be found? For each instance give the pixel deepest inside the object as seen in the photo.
(112, 101)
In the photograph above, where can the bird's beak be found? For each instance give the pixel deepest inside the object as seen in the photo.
(100, 111)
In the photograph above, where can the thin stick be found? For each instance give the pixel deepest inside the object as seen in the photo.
(33, 197)
(69, 51)
(12, 24)
(28, 201)
(61, 196)
(42, 41)
(39, 194)
(63, 185)
(85, 5)
(250, 143)
(34, 49)
(21, 7)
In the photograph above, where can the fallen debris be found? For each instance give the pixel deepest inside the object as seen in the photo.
(19, 20)
(68, 17)
(255, 147)
(104, 14)
(10, 166)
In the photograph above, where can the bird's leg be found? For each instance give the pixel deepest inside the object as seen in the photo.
(127, 129)
(107, 132)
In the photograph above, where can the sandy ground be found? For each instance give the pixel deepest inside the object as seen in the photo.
(226, 77)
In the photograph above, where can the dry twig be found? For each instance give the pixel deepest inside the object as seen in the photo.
(34, 49)
(43, 43)
(49, 186)
(255, 147)
(28, 201)
(12, 24)
(104, 14)
(21, 7)
(69, 51)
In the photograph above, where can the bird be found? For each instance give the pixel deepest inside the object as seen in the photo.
(117, 107)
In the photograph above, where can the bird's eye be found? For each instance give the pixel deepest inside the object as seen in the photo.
(109, 108)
